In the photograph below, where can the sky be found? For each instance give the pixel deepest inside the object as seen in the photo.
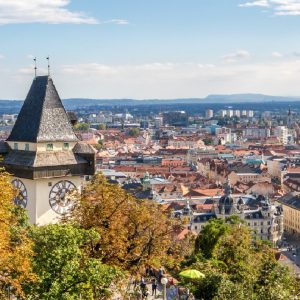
(146, 49)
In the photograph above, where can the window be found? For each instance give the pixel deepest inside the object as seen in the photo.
(15, 146)
(49, 147)
(26, 147)
(66, 146)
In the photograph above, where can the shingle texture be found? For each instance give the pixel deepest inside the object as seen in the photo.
(292, 199)
(42, 159)
(42, 117)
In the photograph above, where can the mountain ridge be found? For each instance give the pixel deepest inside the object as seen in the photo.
(213, 98)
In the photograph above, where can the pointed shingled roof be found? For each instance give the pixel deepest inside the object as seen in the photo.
(42, 117)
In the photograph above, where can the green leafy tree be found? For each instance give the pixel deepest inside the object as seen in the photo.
(102, 127)
(134, 132)
(236, 266)
(207, 141)
(82, 126)
(210, 236)
(64, 268)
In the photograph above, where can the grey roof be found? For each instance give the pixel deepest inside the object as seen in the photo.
(4, 148)
(291, 199)
(257, 214)
(42, 159)
(42, 117)
(203, 217)
(83, 148)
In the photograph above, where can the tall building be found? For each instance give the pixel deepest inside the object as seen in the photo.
(250, 113)
(256, 133)
(209, 114)
(282, 133)
(229, 113)
(44, 156)
(237, 113)
(223, 113)
(158, 122)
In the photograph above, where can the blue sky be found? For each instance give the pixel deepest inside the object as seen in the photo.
(151, 48)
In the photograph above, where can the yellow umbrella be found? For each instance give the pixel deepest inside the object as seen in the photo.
(191, 274)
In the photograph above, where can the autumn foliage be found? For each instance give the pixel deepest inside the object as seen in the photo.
(15, 245)
(133, 232)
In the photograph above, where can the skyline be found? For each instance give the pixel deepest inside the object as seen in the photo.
(166, 50)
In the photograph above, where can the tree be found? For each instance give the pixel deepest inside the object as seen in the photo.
(207, 141)
(102, 127)
(133, 233)
(236, 266)
(207, 241)
(64, 268)
(272, 274)
(15, 244)
(82, 126)
(134, 132)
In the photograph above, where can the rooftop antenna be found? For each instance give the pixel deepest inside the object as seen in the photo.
(48, 59)
(35, 67)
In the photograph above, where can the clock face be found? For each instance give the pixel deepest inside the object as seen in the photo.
(21, 198)
(60, 199)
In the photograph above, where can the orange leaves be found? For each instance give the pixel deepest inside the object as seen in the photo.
(15, 246)
(133, 233)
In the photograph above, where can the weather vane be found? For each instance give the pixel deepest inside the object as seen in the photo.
(48, 59)
(35, 67)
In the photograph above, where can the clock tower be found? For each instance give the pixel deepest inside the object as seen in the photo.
(44, 156)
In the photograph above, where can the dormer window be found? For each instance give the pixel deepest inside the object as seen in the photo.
(16, 146)
(49, 147)
(26, 147)
(66, 146)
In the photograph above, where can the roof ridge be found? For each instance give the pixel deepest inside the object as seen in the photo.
(43, 117)
(38, 131)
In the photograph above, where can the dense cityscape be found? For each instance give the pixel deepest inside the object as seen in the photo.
(149, 150)
(238, 166)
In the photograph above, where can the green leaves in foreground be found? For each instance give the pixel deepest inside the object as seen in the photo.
(64, 267)
(237, 267)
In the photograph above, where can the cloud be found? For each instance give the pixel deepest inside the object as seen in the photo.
(41, 11)
(260, 3)
(90, 69)
(2, 56)
(278, 7)
(116, 21)
(277, 54)
(176, 80)
(236, 56)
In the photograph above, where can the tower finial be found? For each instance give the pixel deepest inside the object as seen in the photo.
(35, 67)
(48, 59)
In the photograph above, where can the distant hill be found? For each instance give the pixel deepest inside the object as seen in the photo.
(235, 98)
(13, 106)
(238, 98)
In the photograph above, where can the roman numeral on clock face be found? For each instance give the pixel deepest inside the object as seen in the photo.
(59, 197)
